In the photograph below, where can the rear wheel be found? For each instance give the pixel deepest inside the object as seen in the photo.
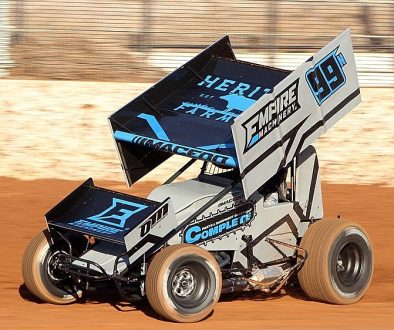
(41, 276)
(340, 262)
(183, 283)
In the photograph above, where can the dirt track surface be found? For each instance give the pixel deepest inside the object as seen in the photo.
(23, 204)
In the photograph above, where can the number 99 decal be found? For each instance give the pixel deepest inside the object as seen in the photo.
(327, 76)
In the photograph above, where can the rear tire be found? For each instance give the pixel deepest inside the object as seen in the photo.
(183, 283)
(340, 262)
(35, 271)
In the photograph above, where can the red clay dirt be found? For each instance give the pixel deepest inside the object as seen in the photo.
(23, 204)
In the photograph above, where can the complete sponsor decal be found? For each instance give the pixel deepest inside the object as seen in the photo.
(112, 220)
(327, 76)
(219, 225)
(264, 121)
(239, 96)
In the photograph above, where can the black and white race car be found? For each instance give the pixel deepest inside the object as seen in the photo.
(249, 220)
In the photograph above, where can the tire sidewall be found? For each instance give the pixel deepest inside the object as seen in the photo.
(48, 289)
(169, 308)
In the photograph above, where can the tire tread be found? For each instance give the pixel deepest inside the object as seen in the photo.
(30, 272)
(314, 277)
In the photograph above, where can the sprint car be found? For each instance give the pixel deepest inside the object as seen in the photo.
(252, 216)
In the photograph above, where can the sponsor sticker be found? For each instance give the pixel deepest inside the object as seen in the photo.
(112, 220)
(264, 121)
(219, 225)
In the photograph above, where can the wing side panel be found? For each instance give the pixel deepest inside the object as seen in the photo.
(301, 108)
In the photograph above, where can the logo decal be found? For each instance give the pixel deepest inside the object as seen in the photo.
(238, 97)
(271, 115)
(327, 76)
(218, 225)
(113, 219)
(117, 214)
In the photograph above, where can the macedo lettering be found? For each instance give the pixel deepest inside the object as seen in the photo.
(183, 150)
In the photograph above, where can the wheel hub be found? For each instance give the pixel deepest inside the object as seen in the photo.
(349, 264)
(340, 267)
(53, 267)
(184, 283)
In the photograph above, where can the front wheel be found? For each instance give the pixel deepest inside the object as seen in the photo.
(183, 283)
(40, 275)
(340, 262)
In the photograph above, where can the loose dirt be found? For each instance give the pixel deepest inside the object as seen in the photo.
(23, 204)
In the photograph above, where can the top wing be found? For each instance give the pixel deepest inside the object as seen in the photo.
(300, 108)
(190, 111)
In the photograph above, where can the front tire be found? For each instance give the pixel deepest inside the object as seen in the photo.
(37, 277)
(183, 283)
(340, 262)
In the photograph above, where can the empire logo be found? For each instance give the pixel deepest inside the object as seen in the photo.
(271, 115)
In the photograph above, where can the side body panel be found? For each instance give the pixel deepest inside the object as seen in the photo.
(151, 232)
(223, 225)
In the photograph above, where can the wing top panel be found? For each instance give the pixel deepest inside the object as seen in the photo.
(190, 112)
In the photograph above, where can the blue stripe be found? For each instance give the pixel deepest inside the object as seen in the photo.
(154, 124)
(218, 146)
